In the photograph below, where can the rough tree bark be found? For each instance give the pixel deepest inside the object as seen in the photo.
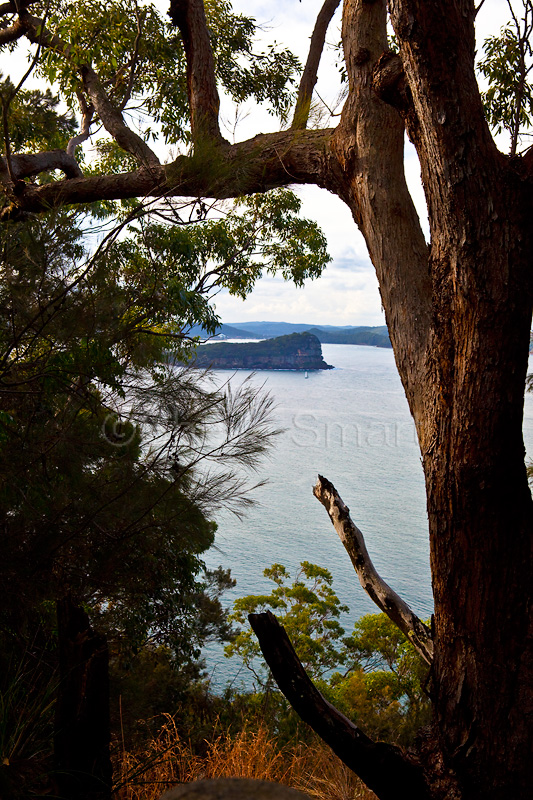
(458, 312)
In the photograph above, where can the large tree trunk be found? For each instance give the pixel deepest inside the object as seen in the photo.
(479, 503)
(459, 317)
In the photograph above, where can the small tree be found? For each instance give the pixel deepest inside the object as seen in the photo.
(310, 611)
(374, 675)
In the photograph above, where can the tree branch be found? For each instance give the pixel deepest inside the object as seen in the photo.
(87, 112)
(189, 16)
(383, 767)
(387, 76)
(113, 121)
(15, 7)
(12, 33)
(380, 592)
(369, 144)
(265, 162)
(110, 116)
(523, 36)
(27, 165)
(309, 75)
(134, 60)
(527, 163)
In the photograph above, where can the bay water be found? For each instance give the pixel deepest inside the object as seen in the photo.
(353, 426)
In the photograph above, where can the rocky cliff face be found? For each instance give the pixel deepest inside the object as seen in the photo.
(298, 351)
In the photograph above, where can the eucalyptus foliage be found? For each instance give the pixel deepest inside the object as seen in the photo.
(139, 54)
(506, 64)
(373, 675)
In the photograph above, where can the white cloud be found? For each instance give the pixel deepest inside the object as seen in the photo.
(338, 297)
(347, 293)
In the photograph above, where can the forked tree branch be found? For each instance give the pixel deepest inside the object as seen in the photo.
(380, 592)
(189, 16)
(383, 767)
(309, 75)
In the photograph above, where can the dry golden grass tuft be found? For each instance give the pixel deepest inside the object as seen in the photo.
(168, 760)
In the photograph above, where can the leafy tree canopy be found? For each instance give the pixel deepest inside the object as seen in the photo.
(139, 55)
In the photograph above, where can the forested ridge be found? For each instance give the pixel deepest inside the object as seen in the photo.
(125, 210)
(331, 334)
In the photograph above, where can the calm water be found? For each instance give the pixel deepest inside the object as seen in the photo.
(353, 426)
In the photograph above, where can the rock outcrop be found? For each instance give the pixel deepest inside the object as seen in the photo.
(298, 351)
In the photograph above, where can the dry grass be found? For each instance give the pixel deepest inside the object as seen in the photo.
(250, 754)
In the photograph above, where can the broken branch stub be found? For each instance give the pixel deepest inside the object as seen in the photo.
(377, 589)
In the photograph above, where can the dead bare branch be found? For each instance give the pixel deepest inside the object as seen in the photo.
(380, 592)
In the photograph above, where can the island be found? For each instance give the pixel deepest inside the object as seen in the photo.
(297, 351)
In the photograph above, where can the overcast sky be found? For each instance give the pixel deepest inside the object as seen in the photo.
(347, 293)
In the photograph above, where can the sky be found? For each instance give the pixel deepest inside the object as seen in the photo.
(347, 293)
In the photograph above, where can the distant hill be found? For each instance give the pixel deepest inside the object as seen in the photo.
(327, 334)
(376, 336)
(227, 331)
(268, 330)
(299, 351)
(367, 336)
